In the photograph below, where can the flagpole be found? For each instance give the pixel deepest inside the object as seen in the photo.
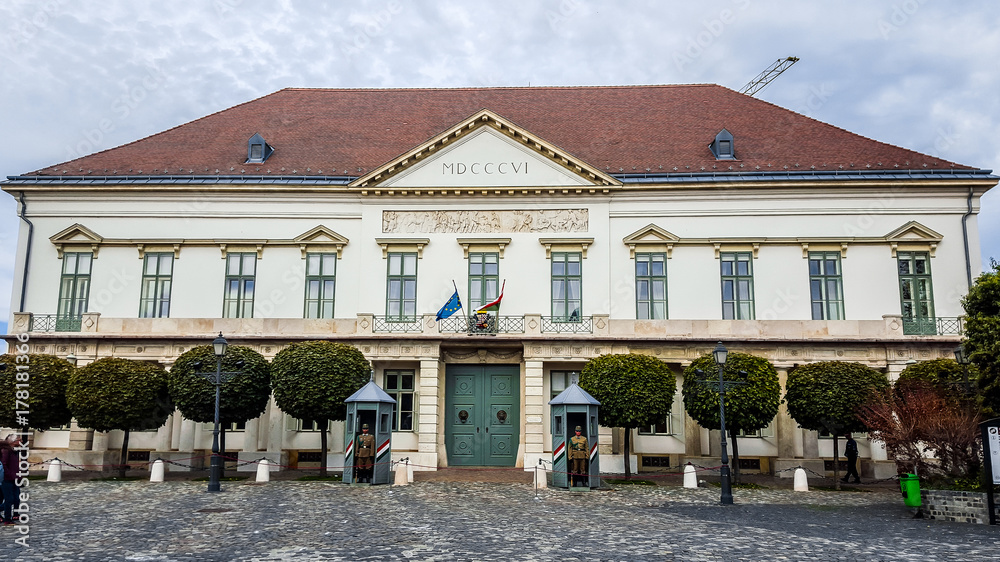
(459, 296)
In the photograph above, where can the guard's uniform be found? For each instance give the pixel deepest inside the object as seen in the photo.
(365, 455)
(578, 456)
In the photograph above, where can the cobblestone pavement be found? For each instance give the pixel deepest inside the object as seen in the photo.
(293, 520)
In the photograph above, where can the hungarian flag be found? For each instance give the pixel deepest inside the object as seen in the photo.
(495, 305)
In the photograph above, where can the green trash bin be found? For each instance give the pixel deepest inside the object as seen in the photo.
(910, 485)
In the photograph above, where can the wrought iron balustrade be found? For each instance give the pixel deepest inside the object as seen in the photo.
(477, 324)
(568, 325)
(54, 323)
(397, 324)
(934, 326)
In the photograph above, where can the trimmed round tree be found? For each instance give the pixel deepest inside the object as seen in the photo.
(634, 391)
(946, 376)
(115, 393)
(826, 396)
(242, 397)
(749, 406)
(312, 379)
(45, 396)
(982, 335)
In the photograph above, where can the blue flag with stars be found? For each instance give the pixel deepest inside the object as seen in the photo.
(450, 307)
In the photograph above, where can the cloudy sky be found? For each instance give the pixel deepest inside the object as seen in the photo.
(917, 73)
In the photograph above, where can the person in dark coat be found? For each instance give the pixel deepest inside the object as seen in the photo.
(851, 452)
(11, 493)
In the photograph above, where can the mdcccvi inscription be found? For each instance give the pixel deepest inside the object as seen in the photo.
(542, 220)
(483, 168)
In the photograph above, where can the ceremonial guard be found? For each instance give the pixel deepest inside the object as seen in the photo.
(365, 455)
(578, 457)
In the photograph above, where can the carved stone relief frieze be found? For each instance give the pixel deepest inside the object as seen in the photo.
(538, 220)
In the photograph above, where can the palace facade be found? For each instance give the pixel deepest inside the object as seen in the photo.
(646, 219)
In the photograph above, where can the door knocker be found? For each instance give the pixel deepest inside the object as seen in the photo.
(463, 416)
(502, 416)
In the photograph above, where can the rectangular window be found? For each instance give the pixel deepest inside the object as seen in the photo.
(241, 273)
(399, 385)
(295, 424)
(561, 380)
(915, 294)
(567, 285)
(74, 285)
(737, 286)
(401, 287)
(321, 271)
(157, 272)
(826, 286)
(671, 424)
(484, 278)
(651, 286)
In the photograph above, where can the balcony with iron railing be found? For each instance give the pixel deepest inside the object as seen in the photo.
(890, 327)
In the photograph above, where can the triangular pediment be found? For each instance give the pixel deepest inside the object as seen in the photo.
(913, 231)
(78, 234)
(320, 235)
(650, 234)
(486, 150)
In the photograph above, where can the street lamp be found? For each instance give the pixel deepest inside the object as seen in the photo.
(720, 353)
(963, 360)
(219, 344)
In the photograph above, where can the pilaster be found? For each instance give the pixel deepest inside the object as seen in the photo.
(429, 427)
(534, 412)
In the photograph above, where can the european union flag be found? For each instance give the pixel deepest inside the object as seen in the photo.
(450, 307)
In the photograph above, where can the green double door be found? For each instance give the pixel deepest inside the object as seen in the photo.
(482, 414)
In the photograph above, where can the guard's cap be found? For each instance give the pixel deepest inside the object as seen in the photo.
(578, 428)
(365, 426)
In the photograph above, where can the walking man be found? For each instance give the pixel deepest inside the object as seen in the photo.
(851, 452)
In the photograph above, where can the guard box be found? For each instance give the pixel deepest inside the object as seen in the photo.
(573, 408)
(370, 406)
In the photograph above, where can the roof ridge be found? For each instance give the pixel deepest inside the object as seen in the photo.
(482, 88)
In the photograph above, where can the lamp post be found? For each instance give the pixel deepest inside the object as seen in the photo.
(963, 359)
(219, 344)
(720, 353)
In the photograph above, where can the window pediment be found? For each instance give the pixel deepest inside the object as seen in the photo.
(76, 237)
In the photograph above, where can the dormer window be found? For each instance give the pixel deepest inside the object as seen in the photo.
(257, 149)
(722, 146)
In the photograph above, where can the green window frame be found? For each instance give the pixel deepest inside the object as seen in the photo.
(567, 287)
(484, 278)
(826, 287)
(737, 285)
(560, 381)
(651, 286)
(157, 279)
(398, 383)
(401, 287)
(241, 275)
(74, 285)
(916, 295)
(321, 285)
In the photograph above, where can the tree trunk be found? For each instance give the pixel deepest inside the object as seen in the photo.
(736, 456)
(123, 457)
(322, 446)
(627, 453)
(836, 463)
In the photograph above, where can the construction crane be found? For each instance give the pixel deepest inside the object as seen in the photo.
(769, 74)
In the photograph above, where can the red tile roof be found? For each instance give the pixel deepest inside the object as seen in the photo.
(616, 129)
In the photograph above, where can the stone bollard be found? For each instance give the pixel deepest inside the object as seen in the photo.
(801, 483)
(690, 476)
(401, 479)
(156, 471)
(409, 471)
(263, 471)
(541, 478)
(55, 471)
